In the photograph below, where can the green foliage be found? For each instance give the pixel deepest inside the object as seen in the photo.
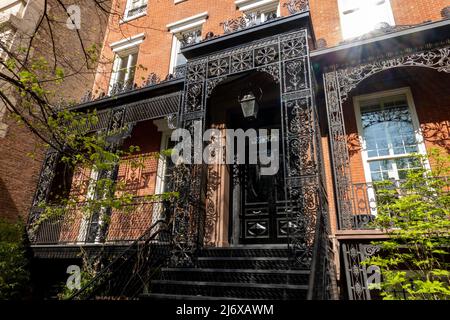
(94, 154)
(88, 272)
(13, 263)
(416, 215)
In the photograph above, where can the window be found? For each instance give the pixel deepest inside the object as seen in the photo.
(362, 16)
(188, 37)
(6, 39)
(388, 128)
(125, 61)
(258, 11)
(123, 70)
(165, 164)
(135, 8)
(185, 31)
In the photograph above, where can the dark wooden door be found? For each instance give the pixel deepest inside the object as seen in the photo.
(263, 217)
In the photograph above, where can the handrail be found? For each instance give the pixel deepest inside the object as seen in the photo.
(104, 271)
(315, 256)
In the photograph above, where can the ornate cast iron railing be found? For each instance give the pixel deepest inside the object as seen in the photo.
(129, 274)
(364, 200)
(152, 80)
(72, 227)
(244, 22)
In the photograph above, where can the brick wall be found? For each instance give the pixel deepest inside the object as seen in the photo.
(154, 53)
(19, 172)
(139, 180)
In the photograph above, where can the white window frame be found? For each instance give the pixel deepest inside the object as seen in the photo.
(166, 134)
(415, 122)
(348, 31)
(262, 6)
(178, 28)
(124, 47)
(86, 221)
(128, 8)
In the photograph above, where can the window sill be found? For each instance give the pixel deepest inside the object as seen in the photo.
(128, 19)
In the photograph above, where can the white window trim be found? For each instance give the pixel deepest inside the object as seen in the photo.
(166, 134)
(127, 9)
(86, 221)
(248, 7)
(180, 26)
(121, 48)
(173, 53)
(187, 23)
(127, 43)
(251, 5)
(415, 121)
(342, 17)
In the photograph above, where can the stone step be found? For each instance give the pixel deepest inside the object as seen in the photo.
(165, 296)
(279, 263)
(237, 275)
(229, 289)
(247, 251)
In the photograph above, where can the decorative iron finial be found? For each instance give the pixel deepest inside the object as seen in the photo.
(152, 79)
(445, 13)
(297, 6)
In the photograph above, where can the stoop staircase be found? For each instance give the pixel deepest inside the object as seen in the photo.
(247, 272)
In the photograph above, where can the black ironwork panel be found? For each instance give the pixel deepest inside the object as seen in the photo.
(286, 58)
(339, 81)
(339, 150)
(356, 272)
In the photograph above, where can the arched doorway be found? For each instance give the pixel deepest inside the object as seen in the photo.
(254, 210)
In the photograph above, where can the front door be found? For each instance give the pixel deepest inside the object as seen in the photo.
(260, 203)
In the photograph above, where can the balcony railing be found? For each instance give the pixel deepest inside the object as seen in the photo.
(73, 227)
(244, 22)
(364, 201)
(152, 80)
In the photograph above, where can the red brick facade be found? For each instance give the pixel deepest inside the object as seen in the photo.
(155, 52)
(428, 88)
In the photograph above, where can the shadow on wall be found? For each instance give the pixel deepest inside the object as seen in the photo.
(437, 133)
(8, 209)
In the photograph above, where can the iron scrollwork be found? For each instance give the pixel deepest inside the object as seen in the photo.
(297, 6)
(338, 84)
(356, 271)
(349, 78)
(43, 188)
(285, 57)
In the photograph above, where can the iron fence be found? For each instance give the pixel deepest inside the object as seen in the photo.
(364, 199)
(72, 225)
